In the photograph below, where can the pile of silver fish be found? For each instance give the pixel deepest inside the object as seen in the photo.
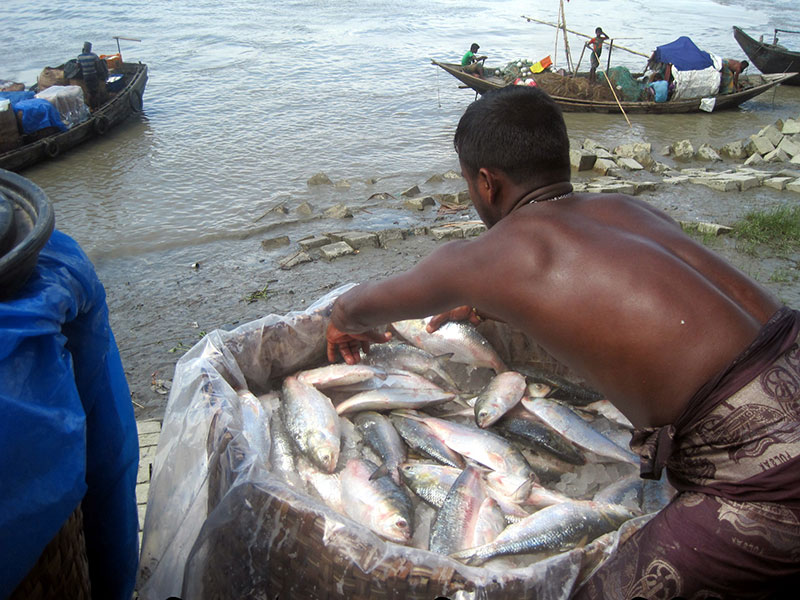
(433, 442)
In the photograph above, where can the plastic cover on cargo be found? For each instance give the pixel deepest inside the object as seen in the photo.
(696, 84)
(219, 525)
(68, 431)
(683, 54)
(38, 114)
(68, 99)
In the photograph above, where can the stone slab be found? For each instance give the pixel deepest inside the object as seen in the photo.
(336, 250)
(390, 235)
(294, 259)
(472, 229)
(419, 203)
(148, 426)
(360, 239)
(276, 242)
(721, 185)
(447, 233)
(314, 242)
(629, 164)
(777, 183)
(794, 186)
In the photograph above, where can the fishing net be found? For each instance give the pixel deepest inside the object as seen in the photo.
(628, 89)
(219, 525)
(574, 87)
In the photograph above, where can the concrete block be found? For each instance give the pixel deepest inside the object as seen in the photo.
(759, 144)
(795, 160)
(734, 150)
(360, 239)
(447, 233)
(746, 182)
(706, 152)
(591, 145)
(644, 186)
(603, 165)
(682, 150)
(419, 203)
(582, 160)
(473, 228)
(452, 175)
(790, 127)
(755, 159)
(789, 147)
(777, 183)
(658, 168)
(777, 155)
(713, 228)
(336, 250)
(719, 184)
(675, 179)
(141, 493)
(343, 184)
(629, 164)
(436, 178)
(294, 259)
(602, 153)
(316, 241)
(338, 211)
(420, 230)
(319, 179)
(639, 151)
(463, 197)
(411, 192)
(276, 242)
(143, 474)
(148, 426)
(793, 186)
(772, 133)
(620, 187)
(149, 439)
(390, 235)
(304, 209)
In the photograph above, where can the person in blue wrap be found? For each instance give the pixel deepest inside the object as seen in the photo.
(68, 434)
(658, 89)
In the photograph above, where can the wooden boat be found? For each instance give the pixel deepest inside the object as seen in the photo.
(119, 107)
(753, 86)
(770, 58)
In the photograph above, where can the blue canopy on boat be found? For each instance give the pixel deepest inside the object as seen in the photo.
(684, 55)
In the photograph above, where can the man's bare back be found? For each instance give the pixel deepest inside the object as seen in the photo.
(609, 286)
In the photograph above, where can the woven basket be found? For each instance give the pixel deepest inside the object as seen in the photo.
(62, 571)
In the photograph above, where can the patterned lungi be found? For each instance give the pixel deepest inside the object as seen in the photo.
(733, 530)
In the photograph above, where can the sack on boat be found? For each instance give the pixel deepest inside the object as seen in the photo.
(219, 525)
(9, 131)
(50, 76)
(69, 101)
(11, 86)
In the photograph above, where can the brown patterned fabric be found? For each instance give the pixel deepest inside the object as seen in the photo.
(733, 531)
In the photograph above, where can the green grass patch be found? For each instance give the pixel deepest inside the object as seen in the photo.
(778, 229)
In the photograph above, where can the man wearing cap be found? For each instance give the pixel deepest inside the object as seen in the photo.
(94, 73)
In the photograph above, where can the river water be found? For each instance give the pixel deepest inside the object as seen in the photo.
(246, 100)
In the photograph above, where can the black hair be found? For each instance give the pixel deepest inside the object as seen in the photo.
(517, 129)
(599, 30)
(745, 64)
(474, 48)
(658, 77)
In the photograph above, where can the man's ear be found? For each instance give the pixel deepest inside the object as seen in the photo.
(489, 185)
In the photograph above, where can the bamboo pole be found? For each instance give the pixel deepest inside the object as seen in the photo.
(613, 91)
(529, 19)
(566, 41)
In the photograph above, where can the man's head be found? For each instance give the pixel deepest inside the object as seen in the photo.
(518, 130)
(745, 64)
(514, 135)
(658, 77)
(87, 47)
(599, 31)
(474, 48)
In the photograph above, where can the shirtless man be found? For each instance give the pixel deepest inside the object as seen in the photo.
(613, 289)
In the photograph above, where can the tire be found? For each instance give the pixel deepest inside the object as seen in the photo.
(51, 148)
(135, 100)
(100, 124)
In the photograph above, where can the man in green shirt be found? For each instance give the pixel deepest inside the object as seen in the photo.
(473, 63)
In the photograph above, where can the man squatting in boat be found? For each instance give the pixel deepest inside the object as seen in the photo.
(702, 359)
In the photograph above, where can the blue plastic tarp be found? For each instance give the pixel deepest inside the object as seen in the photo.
(68, 432)
(15, 97)
(38, 114)
(684, 55)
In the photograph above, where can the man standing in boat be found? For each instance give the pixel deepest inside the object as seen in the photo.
(700, 357)
(94, 73)
(596, 45)
(473, 64)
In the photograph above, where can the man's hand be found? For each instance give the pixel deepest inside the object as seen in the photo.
(461, 313)
(349, 344)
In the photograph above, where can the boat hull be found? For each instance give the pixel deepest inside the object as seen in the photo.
(760, 84)
(126, 102)
(768, 57)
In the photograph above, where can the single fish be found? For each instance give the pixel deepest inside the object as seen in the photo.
(526, 427)
(340, 374)
(537, 389)
(380, 435)
(556, 528)
(562, 388)
(498, 397)
(570, 424)
(397, 355)
(454, 526)
(380, 504)
(490, 523)
(312, 422)
(398, 379)
(458, 338)
(605, 409)
(429, 482)
(282, 456)
(537, 495)
(627, 492)
(421, 439)
(326, 486)
(484, 447)
(391, 399)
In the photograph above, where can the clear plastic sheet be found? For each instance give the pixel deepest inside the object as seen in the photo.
(68, 99)
(218, 524)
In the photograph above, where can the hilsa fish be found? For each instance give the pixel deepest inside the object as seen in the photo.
(397, 355)
(379, 433)
(379, 504)
(455, 523)
(503, 392)
(340, 374)
(556, 528)
(312, 423)
(461, 340)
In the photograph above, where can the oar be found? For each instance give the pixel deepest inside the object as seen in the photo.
(579, 61)
(608, 81)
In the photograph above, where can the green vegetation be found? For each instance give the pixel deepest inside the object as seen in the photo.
(777, 229)
(261, 294)
(784, 275)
